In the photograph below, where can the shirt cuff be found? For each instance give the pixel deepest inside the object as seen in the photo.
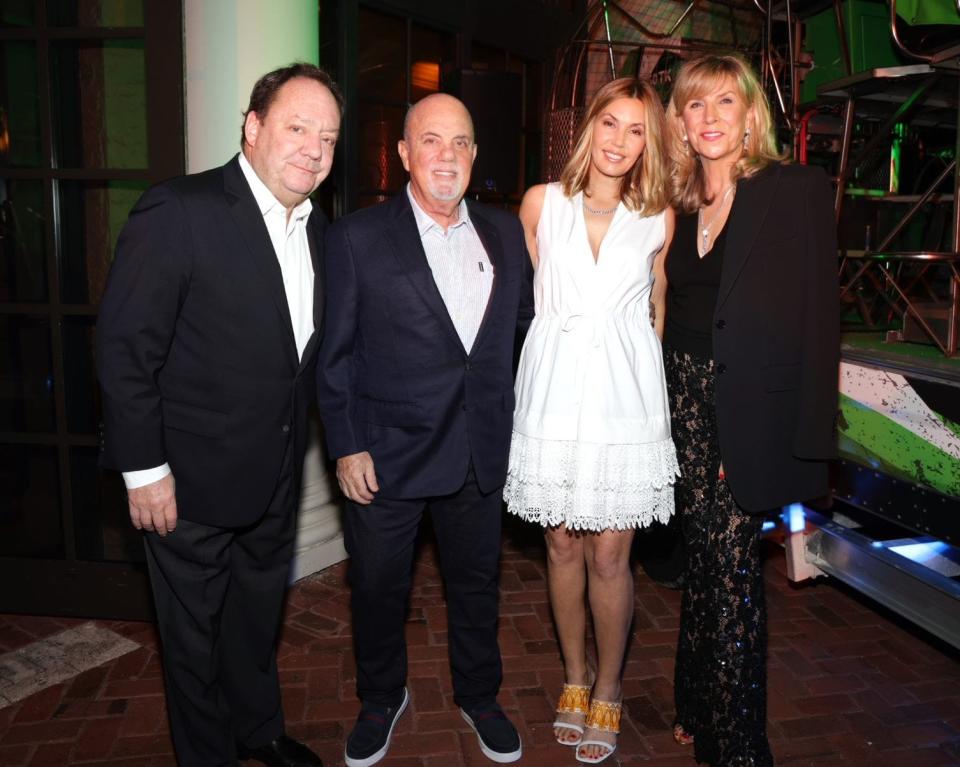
(134, 479)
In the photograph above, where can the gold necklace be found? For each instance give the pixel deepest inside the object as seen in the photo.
(705, 228)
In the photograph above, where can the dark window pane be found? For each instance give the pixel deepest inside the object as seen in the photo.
(82, 394)
(19, 105)
(532, 117)
(381, 171)
(99, 104)
(101, 520)
(382, 58)
(533, 98)
(430, 50)
(17, 13)
(23, 266)
(30, 523)
(95, 13)
(26, 375)
(484, 57)
(532, 151)
(92, 213)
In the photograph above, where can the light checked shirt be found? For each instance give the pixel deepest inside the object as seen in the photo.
(461, 268)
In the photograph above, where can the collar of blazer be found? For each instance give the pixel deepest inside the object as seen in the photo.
(253, 231)
(747, 215)
(408, 249)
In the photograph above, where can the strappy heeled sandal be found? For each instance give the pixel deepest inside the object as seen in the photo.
(602, 717)
(681, 736)
(573, 700)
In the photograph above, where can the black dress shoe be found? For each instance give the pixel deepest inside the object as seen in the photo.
(282, 752)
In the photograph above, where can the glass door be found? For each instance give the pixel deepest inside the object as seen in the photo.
(90, 115)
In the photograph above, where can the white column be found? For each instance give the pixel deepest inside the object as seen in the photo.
(228, 45)
(319, 527)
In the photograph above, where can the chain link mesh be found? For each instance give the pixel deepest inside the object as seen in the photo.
(561, 128)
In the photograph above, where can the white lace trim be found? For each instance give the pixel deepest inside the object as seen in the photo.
(590, 486)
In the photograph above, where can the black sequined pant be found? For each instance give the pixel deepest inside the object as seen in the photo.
(720, 683)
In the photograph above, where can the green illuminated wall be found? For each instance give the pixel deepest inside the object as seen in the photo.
(228, 44)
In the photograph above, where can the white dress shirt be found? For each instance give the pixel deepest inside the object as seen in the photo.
(461, 268)
(289, 238)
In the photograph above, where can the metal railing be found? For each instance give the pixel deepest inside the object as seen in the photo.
(892, 278)
(906, 284)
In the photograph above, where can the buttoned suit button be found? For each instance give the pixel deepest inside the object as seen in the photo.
(721, 324)
(467, 366)
(721, 368)
(285, 428)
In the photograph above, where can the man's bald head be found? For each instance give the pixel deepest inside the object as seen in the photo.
(428, 104)
(438, 151)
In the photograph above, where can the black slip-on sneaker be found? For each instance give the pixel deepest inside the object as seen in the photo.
(369, 740)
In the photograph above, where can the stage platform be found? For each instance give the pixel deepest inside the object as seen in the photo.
(907, 358)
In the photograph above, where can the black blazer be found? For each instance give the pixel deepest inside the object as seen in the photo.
(195, 349)
(776, 343)
(393, 376)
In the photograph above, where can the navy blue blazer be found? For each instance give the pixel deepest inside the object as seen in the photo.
(196, 355)
(393, 376)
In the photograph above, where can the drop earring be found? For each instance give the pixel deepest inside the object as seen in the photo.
(746, 138)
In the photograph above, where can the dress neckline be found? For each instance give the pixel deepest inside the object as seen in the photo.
(582, 217)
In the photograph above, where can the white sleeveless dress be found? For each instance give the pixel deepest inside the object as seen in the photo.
(591, 435)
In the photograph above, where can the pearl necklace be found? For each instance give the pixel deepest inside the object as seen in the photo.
(705, 228)
(604, 212)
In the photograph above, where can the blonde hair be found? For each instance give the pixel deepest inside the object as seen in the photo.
(695, 80)
(644, 187)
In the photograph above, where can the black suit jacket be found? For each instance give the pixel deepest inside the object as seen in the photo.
(776, 341)
(195, 348)
(393, 376)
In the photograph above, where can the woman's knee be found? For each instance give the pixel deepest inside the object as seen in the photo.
(608, 558)
(563, 547)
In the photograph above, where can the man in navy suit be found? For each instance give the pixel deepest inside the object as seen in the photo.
(206, 348)
(416, 394)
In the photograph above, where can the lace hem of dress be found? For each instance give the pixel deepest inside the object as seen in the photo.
(590, 486)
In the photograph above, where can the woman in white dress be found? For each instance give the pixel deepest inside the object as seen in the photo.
(591, 458)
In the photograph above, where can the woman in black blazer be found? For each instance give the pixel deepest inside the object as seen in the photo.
(751, 354)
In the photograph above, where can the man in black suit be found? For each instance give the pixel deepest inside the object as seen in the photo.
(416, 395)
(206, 350)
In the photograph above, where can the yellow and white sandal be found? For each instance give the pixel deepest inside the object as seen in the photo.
(602, 717)
(573, 700)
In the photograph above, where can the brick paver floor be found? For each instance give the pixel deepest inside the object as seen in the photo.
(849, 683)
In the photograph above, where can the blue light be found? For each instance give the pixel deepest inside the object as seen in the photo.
(795, 517)
(877, 544)
(920, 552)
(768, 526)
